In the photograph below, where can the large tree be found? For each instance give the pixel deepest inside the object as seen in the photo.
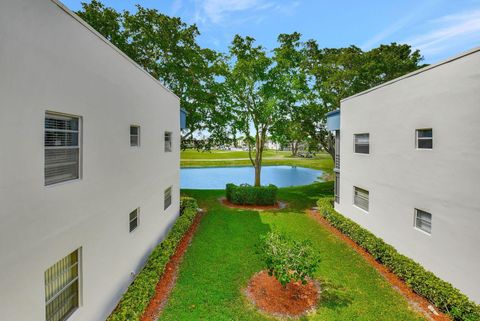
(167, 48)
(254, 107)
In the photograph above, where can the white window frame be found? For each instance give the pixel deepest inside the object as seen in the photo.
(355, 143)
(137, 136)
(79, 131)
(167, 195)
(368, 200)
(417, 138)
(136, 218)
(169, 145)
(76, 280)
(419, 228)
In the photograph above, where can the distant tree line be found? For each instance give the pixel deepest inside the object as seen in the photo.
(249, 91)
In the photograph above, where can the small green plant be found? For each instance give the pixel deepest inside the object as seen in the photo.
(287, 259)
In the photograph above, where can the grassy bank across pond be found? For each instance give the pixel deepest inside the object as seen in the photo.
(222, 258)
(215, 158)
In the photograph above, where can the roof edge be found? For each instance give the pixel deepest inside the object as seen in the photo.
(105, 40)
(416, 72)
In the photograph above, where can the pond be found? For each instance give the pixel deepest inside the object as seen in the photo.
(218, 177)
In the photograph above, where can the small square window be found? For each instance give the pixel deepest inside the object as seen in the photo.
(362, 143)
(133, 220)
(134, 135)
(424, 138)
(423, 221)
(167, 199)
(168, 141)
(361, 198)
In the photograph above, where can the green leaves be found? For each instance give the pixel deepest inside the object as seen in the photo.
(287, 259)
(251, 195)
(447, 298)
(134, 302)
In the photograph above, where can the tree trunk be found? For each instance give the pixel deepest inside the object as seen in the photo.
(327, 140)
(258, 170)
(294, 148)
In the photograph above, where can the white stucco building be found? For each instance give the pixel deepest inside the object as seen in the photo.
(408, 166)
(89, 166)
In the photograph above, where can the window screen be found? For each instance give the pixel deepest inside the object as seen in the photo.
(360, 198)
(362, 143)
(423, 221)
(134, 135)
(133, 220)
(62, 148)
(424, 138)
(168, 141)
(62, 288)
(167, 201)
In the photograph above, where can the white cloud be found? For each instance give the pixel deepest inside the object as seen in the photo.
(448, 32)
(398, 25)
(222, 11)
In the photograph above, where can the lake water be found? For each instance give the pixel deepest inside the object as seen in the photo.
(218, 177)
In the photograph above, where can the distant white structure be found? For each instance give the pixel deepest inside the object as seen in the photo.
(89, 168)
(408, 166)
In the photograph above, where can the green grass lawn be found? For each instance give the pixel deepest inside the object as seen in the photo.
(194, 158)
(222, 258)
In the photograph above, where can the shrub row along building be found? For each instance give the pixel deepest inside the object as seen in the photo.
(407, 166)
(89, 168)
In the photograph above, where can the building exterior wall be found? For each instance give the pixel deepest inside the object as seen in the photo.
(49, 61)
(444, 181)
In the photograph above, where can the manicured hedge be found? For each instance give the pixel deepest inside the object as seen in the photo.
(134, 302)
(252, 195)
(442, 294)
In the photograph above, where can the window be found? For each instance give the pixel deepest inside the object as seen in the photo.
(167, 198)
(424, 138)
(337, 187)
(134, 135)
(423, 221)
(133, 220)
(362, 143)
(168, 141)
(360, 198)
(62, 148)
(62, 288)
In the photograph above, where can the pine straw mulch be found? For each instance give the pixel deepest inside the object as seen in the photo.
(278, 206)
(416, 301)
(292, 301)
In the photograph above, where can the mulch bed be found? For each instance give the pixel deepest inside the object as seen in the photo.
(169, 276)
(417, 302)
(294, 300)
(278, 206)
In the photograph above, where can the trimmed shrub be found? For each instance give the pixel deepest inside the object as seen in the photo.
(287, 259)
(442, 294)
(134, 302)
(251, 195)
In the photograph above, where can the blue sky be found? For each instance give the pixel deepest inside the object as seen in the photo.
(439, 28)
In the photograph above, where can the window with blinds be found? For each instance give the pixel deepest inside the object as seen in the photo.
(362, 143)
(133, 220)
(134, 135)
(168, 141)
(424, 138)
(360, 198)
(423, 221)
(167, 199)
(62, 148)
(62, 288)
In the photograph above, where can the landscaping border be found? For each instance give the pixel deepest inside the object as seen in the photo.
(439, 292)
(139, 294)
